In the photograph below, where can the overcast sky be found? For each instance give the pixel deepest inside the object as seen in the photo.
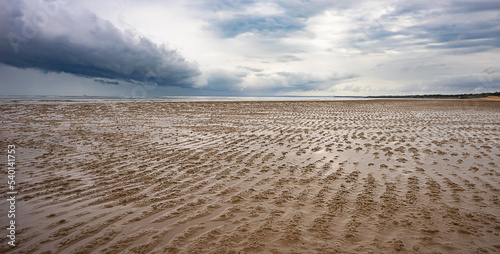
(263, 48)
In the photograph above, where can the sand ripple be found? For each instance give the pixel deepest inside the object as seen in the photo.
(377, 176)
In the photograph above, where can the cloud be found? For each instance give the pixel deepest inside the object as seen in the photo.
(251, 69)
(288, 58)
(107, 82)
(278, 25)
(285, 82)
(223, 80)
(486, 81)
(271, 18)
(438, 27)
(79, 42)
(482, 35)
(474, 6)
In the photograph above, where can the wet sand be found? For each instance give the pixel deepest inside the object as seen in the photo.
(381, 176)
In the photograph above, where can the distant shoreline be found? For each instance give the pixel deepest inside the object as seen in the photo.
(493, 96)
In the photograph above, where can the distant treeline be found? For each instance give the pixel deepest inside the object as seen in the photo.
(443, 96)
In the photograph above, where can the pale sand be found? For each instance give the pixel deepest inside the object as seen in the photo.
(491, 98)
(381, 176)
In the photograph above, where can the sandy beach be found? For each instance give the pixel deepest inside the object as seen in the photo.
(364, 176)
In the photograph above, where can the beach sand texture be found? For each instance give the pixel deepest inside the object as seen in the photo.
(381, 176)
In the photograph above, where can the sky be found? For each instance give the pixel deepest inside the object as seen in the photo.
(248, 48)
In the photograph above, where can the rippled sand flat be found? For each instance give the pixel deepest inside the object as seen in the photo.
(382, 176)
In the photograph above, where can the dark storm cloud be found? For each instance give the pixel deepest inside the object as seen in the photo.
(107, 82)
(56, 39)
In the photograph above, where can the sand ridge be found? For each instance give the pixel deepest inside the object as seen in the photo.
(383, 176)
